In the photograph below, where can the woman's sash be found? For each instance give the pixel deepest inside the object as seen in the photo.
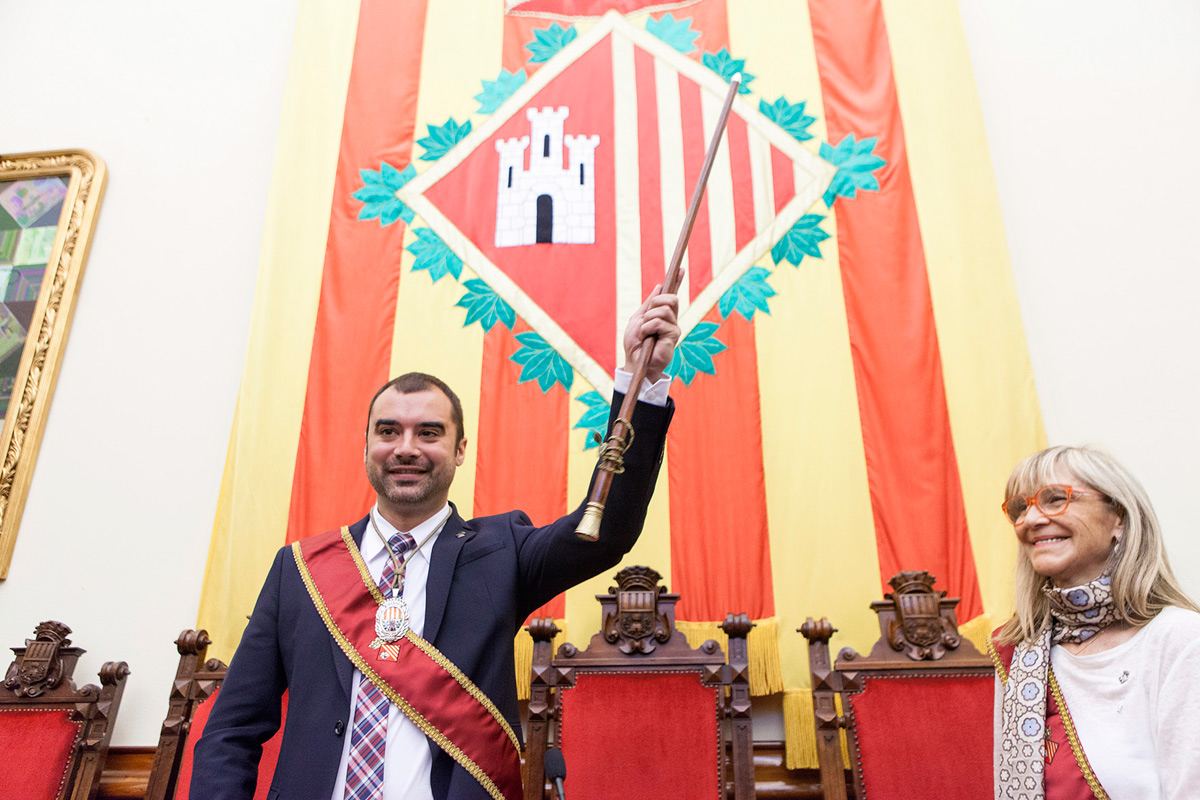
(425, 685)
(1064, 778)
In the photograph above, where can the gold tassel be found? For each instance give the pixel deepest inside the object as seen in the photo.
(523, 656)
(837, 702)
(800, 731)
(762, 645)
(977, 632)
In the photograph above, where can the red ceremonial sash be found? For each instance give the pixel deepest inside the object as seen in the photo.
(419, 680)
(1065, 778)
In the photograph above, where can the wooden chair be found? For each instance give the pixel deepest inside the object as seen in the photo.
(639, 712)
(53, 737)
(917, 711)
(197, 683)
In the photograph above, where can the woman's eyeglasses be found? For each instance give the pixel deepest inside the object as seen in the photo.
(1051, 500)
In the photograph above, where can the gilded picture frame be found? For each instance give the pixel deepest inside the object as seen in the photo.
(48, 207)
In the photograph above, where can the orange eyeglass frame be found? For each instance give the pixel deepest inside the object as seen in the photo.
(1032, 501)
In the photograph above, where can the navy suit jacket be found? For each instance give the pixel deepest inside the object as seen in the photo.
(481, 588)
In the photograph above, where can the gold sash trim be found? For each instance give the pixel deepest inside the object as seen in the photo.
(394, 696)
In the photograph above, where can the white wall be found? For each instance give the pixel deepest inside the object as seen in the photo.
(1089, 111)
(184, 108)
(1091, 108)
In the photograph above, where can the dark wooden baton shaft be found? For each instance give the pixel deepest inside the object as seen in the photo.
(589, 526)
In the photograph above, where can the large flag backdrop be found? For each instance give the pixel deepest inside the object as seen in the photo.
(485, 190)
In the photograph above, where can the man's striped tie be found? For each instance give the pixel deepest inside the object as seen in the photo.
(364, 768)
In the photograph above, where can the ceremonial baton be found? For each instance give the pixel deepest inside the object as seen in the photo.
(612, 452)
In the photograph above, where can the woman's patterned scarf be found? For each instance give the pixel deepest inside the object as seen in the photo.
(1077, 614)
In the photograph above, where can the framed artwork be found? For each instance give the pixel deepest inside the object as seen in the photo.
(48, 207)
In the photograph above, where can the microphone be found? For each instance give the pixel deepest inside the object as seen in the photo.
(556, 770)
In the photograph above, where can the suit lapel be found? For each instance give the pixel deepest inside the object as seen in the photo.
(441, 570)
(345, 670)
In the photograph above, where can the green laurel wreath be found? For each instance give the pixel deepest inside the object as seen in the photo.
(855, 159)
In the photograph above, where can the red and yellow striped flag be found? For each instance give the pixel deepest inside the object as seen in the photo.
(484, 191)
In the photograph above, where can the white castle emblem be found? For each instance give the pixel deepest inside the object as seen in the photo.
(547, 202)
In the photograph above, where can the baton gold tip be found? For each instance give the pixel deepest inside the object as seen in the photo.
(589, 526)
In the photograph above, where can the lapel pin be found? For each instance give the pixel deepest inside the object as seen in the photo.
(460, 534)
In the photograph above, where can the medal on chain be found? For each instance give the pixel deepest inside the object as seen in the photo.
(392, 617)
(391, 622)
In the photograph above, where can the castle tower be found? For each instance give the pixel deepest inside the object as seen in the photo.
(581, 158)
(512, 159)
(546, 140)
(581, 189)
(509, 190)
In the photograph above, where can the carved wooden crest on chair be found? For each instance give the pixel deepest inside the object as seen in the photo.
(919, 623)
(632, 621)
(43, 661)
(917, 709)
(636, 659)
(54, 736)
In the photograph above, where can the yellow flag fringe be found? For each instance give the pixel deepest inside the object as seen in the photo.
(800, 731)
(977, 631)
(523, 656)
(766, 670)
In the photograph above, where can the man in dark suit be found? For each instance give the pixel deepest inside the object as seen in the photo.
(468, 586)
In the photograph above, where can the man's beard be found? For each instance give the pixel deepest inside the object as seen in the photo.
(419, 491)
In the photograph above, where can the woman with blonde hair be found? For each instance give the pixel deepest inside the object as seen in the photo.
(1098, 690)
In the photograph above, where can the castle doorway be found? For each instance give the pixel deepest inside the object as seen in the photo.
(545, 218)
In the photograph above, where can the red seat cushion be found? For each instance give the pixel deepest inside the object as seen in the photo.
(925, 736)
(266, 766)
(36, 749)
(641, 735)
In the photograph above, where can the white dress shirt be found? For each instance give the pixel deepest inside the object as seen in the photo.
(653, 393)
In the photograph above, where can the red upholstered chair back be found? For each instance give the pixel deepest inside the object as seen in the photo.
(639, 712)
(917, 710)
(661, 728)
(193, 693)
(929, 730)
(53, 737)
(39, 750)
